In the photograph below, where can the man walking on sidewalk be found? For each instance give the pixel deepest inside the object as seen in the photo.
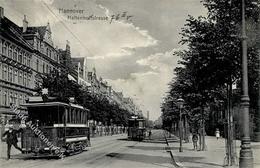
(195, 140)
(11, 139)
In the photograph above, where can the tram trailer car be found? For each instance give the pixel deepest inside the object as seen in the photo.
(136, 129)
(62, 129)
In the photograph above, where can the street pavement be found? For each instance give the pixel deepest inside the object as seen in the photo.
(117, 152)
(213, 157)
(106, 152)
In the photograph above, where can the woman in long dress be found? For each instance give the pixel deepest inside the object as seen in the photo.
(217, 133)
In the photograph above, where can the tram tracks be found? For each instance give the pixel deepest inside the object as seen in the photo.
(97, 152)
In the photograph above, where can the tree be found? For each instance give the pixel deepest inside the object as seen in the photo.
(101, 109)
(211, 64)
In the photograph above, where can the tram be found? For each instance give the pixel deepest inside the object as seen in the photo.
(136, 129)
(55, 128)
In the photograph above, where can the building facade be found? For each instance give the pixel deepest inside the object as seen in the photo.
(16, 68)
(26, 53)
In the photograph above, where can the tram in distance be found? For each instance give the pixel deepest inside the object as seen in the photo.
(63, 128)
(136, 129)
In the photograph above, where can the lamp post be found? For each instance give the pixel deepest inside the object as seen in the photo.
(180, 103)
(246, 154)
(257, 116)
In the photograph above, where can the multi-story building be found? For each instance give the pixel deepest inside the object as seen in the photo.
(93, 80)
(26, 53)
(117, 97)
(80, 65)
(16, 68)
(45, 56)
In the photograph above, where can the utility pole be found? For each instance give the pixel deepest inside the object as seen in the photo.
(230, 158)
(246, 154)
(257, 116)
(202, 132)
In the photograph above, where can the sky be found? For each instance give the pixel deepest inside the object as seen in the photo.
(133, 53)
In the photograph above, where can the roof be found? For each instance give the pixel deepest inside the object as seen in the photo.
(40, 29)
(45, 104)
(48, 104)
(77, 60)
(13, 32)
(137, 119)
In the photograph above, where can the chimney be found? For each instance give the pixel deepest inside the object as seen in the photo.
(25, 24)
(1, 12)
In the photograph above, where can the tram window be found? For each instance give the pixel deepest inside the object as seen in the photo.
(47, 116)
(78, 117)
(82, 116)
(69, 116)
(73, 116)
(141, 124)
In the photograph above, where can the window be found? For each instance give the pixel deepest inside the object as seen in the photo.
(20, 101)
(20, 78)
(5, 99)
(47, 52)
(25, 59)
(20, 57)
(24, 79)
(47, 68)
(28, 80)
(11, 100)
(15, 99)
(29, 61)
(1, 46)
(4, 49)
(15, 80)
(5, 73)
(10, 53)
(43, 67)
(10, 77)
(37, 65)
(15, 54)
(0, 95)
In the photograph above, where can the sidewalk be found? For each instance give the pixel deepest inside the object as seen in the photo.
(213, 157)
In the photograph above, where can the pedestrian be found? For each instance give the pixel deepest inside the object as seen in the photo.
(150, 133)
(11, 139)
(195, 140)
(217, 133)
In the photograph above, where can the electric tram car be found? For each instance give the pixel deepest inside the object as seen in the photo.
(136, 129)
(56, 128)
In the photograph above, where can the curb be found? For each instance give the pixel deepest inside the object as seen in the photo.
(173, 156)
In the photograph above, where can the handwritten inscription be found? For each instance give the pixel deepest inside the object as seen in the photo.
(81, 15)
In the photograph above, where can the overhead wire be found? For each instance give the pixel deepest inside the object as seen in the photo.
(67, 28)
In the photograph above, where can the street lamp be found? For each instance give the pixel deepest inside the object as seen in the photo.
(246, 154)
(180, 103)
